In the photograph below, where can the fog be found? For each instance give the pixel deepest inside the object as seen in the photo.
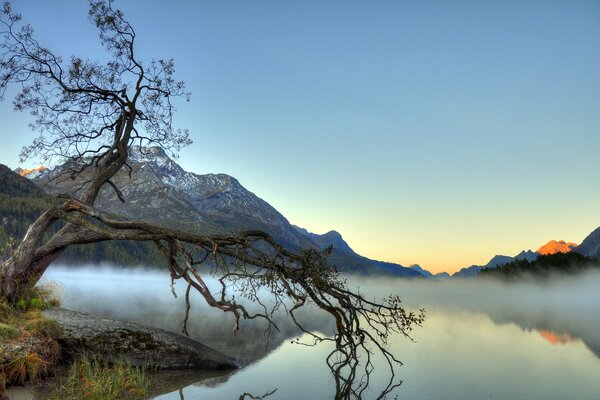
(481, 338)
(564, 305)
(144, 295)
(561, 304)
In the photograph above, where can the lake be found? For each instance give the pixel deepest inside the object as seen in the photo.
(480, 339)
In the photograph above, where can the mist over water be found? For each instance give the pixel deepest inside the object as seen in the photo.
(563, 303)
(481, 338)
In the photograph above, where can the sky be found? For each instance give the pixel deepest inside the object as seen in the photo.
(430, 132)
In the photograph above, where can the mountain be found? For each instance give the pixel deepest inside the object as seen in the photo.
(31, 172)
(343, 255)
(331, 238)
(590, 246)
(468, 272)
(429, 275)
(553, 247)
(216, 194)
(496, 261)
(158, 190)
(543, 267)
(422, 271)
(527, 255)
(15, 185)
(22, 202)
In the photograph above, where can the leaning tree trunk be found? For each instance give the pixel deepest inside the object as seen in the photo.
(25, 267)
(31, 258)
(21, 271)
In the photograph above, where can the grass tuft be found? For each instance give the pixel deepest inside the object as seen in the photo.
(93, 378)
(40, 297)
(8, 332)
(28, 351)
(24, 367)
(36, 324)
(7, 313)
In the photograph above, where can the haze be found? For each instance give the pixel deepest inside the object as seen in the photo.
(480, 339)
(562, 304)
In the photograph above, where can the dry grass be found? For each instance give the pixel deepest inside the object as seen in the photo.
(40, 297)
(23, 368)
(93, 378)
(8, 332)
(28, 351)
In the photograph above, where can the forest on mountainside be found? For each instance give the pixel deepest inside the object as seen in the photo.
(544, 266)
(22, 202)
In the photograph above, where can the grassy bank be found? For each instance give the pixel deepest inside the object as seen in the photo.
(29, 352)
(28, 349)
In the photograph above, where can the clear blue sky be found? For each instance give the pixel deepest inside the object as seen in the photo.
(429, 132)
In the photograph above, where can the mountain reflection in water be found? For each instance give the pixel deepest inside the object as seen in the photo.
(480, 339)
(556, 338)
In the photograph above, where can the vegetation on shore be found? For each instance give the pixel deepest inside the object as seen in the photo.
(29, 352)
(544, 266)
(93, 378)
(28, 349)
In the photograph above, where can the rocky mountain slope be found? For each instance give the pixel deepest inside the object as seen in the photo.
(590, 246)
(160, 191)
(22, 202)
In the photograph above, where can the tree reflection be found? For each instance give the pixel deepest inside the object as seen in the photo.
(250, 396)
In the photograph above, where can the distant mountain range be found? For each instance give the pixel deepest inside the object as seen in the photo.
(496, 261)
(162, 192)
(590, 247)
(429, 275)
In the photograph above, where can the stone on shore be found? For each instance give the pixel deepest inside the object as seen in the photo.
(139, 344)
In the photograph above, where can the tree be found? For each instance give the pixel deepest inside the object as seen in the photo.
(89, 115)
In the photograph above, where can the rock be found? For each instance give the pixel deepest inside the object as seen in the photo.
(140, 345)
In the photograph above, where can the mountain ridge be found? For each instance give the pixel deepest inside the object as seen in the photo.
(496, 261)
(590, 246)
(160, 191)
(219, 203)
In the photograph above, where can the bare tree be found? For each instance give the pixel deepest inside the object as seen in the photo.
(89, 115)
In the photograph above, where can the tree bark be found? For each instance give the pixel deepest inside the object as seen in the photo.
(31, 258)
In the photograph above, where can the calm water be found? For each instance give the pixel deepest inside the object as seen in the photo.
(480, 340)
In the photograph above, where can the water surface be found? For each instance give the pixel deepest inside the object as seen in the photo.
(480, 340)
